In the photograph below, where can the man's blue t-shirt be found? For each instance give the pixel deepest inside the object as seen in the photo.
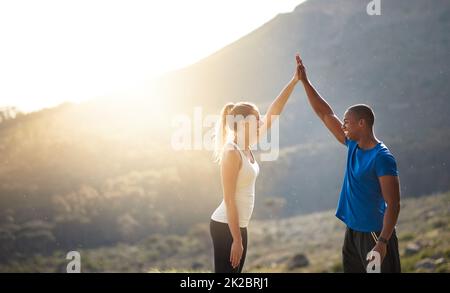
(361, 204)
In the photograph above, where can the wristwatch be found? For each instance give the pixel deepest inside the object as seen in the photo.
(383, 240)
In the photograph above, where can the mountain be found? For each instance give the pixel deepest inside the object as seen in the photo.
(394, 62)
(104, 172)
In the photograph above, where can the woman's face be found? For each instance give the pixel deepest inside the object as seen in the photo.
(251, 125)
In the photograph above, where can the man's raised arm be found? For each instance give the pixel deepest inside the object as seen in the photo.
(321, 107)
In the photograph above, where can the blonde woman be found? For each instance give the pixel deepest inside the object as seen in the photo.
(240, 127)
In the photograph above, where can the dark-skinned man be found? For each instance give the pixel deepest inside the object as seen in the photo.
(369, 203)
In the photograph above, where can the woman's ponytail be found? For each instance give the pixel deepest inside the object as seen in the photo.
(221, 131)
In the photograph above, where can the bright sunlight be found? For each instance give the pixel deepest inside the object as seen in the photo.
(56, 51)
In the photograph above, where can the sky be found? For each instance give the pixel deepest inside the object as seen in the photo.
(57, 51)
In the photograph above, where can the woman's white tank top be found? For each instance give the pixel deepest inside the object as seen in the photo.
(245, 192)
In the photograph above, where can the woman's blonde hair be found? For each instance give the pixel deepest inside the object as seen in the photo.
(223, 134)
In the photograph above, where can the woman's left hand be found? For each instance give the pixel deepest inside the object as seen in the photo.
(300, 73)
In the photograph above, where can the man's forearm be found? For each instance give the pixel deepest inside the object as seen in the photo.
(390, 220)
(319, 105)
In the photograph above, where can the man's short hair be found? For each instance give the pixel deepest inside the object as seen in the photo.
(364, 112)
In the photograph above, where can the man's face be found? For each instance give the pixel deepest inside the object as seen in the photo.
(351, 126)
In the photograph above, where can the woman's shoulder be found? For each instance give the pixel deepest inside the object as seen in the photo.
(231, 152)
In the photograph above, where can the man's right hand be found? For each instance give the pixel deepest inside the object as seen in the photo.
(319, 105)
(301, 70)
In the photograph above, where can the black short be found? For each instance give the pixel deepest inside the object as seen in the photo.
(222, 240)
(358, 244)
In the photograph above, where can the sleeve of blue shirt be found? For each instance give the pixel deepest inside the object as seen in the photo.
(385, 165)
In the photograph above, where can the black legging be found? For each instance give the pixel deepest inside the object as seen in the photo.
(222, 240)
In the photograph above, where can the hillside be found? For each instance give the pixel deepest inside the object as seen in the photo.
(393, 62)
(100, 173)
(274, 246)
